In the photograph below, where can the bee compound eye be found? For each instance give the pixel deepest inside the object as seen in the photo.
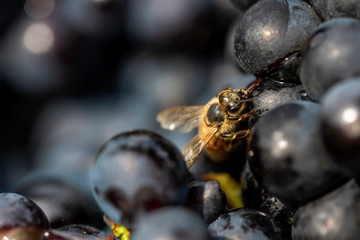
(214, 114)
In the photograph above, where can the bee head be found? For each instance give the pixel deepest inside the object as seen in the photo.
(231, 100)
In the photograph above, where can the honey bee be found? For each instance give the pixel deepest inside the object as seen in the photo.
(220, 123)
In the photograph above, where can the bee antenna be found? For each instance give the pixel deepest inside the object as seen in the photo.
(241, 102)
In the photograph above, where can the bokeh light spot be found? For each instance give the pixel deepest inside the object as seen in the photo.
(39, 9)
(38, 38)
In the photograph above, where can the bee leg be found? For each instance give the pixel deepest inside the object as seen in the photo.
(228, 147)
(245, 115)
(236, 135)
(241, 117)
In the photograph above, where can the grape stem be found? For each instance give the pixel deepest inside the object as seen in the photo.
(119, 231)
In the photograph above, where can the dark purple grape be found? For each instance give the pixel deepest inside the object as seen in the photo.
(270, 36)
(21, 218)
(287, 156)
(257, 198)
(340, 119)
(271, 94)
(137, 172)
(171, 223)
(26, 233)
(78, 232)
(328, 9)
(229, 51)
(331, 55)
(332, 217)
(206, 198)
(246, 223)
(62, 203)
(68, 232)
(17, 210)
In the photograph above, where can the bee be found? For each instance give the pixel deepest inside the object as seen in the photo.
(220, 123)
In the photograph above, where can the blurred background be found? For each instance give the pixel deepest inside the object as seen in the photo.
(74, 73)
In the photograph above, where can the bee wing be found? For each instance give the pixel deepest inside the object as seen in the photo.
(182, 119)
(192, 151)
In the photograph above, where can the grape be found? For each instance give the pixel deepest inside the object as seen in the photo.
(137, 172)
(100, 68)
(334, 216)
(62, 203)
(246, 223)
(256, 197)
(271, 34)
(331, 55)
(21, 218)
(25, 233)
(171, 223)
(229, 44)
(286, 154)
(328, 9)
(271, 94)
(206, 198)
(16, 210)
(339, 114)
(78, 232)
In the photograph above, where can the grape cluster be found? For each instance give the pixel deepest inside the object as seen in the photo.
(82, 156)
